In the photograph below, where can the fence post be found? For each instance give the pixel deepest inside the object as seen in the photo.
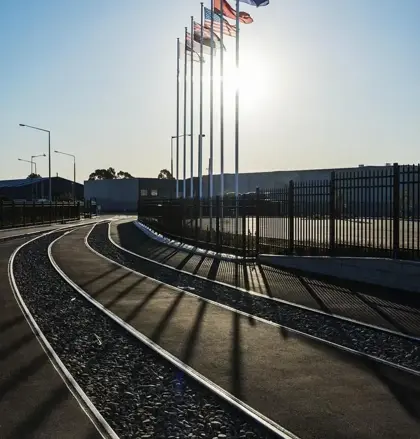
(332, 213)
(13, 213)
(257, 221)
(218, 223)
(196, 205)
(33, 216)
(396, 211)
(291, 216)
(244, 234)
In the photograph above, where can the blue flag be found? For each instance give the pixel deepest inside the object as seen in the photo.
(256, 2)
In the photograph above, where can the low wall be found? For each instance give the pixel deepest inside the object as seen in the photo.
(389, 273)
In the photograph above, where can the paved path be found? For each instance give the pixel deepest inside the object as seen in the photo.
(9, 233)
(34, 401)
(310, 389)
(399, 312)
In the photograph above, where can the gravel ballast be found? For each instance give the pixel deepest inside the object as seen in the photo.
(380, 344)
(140, 394)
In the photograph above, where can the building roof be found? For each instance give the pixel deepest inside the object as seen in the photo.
(21, 182)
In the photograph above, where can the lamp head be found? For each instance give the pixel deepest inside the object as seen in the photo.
(22, 125)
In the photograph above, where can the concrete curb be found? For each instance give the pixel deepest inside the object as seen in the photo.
(387, 273)
(186, 247)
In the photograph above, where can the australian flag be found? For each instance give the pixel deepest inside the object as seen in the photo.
(256, 2)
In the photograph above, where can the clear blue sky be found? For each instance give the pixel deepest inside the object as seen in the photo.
(328, 83)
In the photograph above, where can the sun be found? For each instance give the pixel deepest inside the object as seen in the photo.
(251, 79)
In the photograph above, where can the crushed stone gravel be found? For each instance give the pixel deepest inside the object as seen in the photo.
(380, 344)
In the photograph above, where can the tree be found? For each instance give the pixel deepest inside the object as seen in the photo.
(33, 175)
(124, 175)
(103, 174)
(109, 174)
(164, 174)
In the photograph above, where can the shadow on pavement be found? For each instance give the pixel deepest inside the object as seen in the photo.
(11, 323)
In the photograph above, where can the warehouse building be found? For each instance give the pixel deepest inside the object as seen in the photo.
(121, 195)
(29, 189)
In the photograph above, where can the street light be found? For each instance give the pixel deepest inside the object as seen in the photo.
(177, 162)
(74, 170)
(49, 152)
(34, 157)
(32, 181)
(28, 161)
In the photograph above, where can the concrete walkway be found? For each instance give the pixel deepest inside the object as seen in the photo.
(308, 388)
(376, 306)
(13, 233)
(34, 401)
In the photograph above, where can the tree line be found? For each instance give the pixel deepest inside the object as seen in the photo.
(111, 174)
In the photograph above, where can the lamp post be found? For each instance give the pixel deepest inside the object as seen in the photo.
(29, 161)
(177, 162)
(49, 153)
(32, 180)
(34, 157)
(74, 170)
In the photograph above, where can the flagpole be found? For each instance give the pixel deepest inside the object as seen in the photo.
(237, 105)
(200, 143)
(222, 133)
(192, 109)
(177, 116)
(237, 129)
(211, 103)
(184, 189)
(211, 160)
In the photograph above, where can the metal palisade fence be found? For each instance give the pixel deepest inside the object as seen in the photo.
(372, 212)
(20, 214)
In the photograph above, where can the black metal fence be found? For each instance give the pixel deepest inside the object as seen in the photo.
(20, 214)
(361, 213)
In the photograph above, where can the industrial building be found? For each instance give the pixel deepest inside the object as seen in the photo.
(29, 189)
(121, 195)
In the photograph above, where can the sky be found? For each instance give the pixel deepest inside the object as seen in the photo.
(323, 84)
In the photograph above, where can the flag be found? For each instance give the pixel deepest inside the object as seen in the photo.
(222, 6)
(196, 44)
(256, 3)
(228, 29)
(196, 56)
(207, 39)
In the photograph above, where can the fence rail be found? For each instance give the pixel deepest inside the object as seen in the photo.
(362, 213)
(20, 214)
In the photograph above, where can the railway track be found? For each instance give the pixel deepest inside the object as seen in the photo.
(129, 386)
(389, 347)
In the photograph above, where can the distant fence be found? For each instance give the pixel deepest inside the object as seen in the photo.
(362, 213)
(20, 214)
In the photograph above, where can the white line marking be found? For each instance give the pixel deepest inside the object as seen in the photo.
(260, 319)
(274, 299)
(85, 403)
(231, 399)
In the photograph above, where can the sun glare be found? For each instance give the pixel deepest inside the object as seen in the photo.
(251, 79)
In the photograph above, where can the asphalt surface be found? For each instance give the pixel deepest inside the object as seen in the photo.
(34, 401)
(391, 309)
(312, 390)
(10, 233)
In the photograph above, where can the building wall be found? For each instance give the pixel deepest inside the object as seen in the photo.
(113, 195)
(122, 195)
